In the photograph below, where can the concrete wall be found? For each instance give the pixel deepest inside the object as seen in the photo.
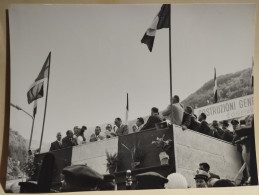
(93, 154)
(192, 148)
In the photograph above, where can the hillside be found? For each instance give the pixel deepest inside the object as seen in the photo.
(16, 155)
(230, 86)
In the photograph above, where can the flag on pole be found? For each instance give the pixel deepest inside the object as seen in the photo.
(252, 74)
(215, 87)
(127, 110)
(35, 108)
(44, 70)
(35, 92)
(162, 20)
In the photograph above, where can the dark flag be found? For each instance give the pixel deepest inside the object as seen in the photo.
(127, 110)
(44, 70)
(215, 87)
(162, 20)
(35, 92)
(252, 74)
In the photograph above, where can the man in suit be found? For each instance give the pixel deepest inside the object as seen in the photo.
(56, 145)
(68, 141)
(152, 120)
(204, 127)
(122, 129)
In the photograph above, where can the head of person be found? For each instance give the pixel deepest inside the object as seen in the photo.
(176, 181)
(97, 130)
(234, 124)
(134, 128)
(59, 136)
(82, 131)
(140, 121)
(249, 120)
(188, 109)
(176, 99)
(202, 117)
(225, 124)
(76, 130)
(154, 111)
(204, 166)
(201, 179)
(242, 122)
(69, 134)
(223, 183)
(118, 122)
(84, 127)
(80, 178)
(215, 124)
(108, 127)
(150, 180)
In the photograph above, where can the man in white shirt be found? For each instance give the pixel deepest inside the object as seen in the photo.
(140, 123)
(176, 112)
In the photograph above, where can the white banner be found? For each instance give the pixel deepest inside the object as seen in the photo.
(226, 110)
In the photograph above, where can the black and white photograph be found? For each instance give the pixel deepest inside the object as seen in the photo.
(113, 97)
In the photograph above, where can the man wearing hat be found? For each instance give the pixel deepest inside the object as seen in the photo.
(201, 179)
(80, 178)
(150, 180)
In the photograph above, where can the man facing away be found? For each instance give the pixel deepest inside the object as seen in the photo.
(68, 141)
(56, 145)
(122, 129)
(176, 113)
(152, 120)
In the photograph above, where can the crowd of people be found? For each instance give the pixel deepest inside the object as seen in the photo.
(174, 114)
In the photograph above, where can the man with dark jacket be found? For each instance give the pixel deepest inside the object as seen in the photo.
(56, 145)
(68, 141)
(122, 129)
(204, 127)
(152, 120)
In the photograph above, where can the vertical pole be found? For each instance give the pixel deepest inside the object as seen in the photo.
(31, 134)
(170, 68)
(46, 102)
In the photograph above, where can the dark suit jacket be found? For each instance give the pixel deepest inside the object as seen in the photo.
(204, 128)
(122, 130)
(152, 120)
(55, 146)
(66, 142)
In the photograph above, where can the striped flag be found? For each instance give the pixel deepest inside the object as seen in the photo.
(127, 110)
(35, 92)
(162, 20)
(252, 74)
(44, 70)
(215, 87)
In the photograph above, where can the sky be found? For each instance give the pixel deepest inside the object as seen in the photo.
(97, 58)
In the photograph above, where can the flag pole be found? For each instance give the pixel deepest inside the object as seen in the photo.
(46, 101)
(170, 68)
